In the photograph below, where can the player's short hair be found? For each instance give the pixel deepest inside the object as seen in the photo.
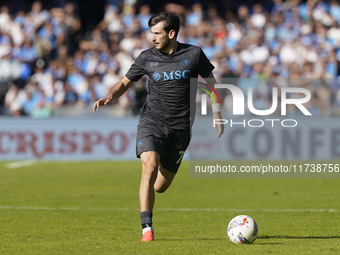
(170, 20)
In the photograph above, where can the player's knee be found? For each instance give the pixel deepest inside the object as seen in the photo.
(150, 167)
(149, 172)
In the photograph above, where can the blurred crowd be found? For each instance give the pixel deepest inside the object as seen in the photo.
(47, 64)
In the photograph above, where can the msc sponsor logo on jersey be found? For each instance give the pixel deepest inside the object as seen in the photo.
(172, 75)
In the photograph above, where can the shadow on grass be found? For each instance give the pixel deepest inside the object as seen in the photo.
(210, 239)
(298, 237)
(191, 239)
(257, 243)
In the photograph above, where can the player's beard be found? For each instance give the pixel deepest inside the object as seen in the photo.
(163, 45)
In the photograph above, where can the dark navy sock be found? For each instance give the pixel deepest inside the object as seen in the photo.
(146, 219)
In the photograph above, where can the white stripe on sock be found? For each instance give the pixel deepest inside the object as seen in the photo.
(147, 229)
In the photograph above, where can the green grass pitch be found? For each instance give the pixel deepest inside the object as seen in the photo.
(92, 208)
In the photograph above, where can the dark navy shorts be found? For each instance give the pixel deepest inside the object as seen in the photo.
(170, 144)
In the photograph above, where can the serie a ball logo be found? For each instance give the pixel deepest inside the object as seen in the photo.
(242, 229)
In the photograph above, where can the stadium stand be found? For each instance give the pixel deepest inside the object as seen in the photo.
(47, 68)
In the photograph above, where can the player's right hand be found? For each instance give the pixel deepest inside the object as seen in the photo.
(102, 101)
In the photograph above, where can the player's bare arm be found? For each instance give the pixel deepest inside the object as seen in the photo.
(216, 114)
(117, 90)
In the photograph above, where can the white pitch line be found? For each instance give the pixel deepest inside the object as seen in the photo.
(165, 209)
(23, 163)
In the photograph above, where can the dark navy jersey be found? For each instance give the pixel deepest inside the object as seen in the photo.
(168, 99)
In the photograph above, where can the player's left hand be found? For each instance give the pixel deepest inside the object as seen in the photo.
(218, 127)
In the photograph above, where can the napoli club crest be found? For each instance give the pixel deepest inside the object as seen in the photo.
(185, 61)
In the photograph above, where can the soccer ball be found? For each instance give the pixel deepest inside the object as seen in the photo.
(242, 229)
